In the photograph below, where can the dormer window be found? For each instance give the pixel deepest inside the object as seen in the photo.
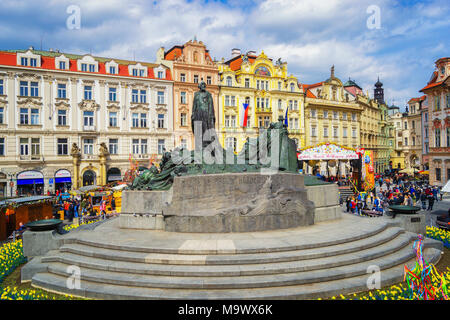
(62, 65)
(443, 70)
(84, 67)
(160, 74)
(33, 62)
(141, 73)
(88, 63)
(91, 68)
(28, 59)
(135, 72)
(24, 62)
(112, 70)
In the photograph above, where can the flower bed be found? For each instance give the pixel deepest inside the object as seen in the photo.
(439, 234)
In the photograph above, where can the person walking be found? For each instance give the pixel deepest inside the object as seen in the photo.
(430, 202)
(423, 199)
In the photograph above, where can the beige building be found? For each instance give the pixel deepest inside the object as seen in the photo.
(331, 115)
(75, 120)
(190, 64)
(412, 134)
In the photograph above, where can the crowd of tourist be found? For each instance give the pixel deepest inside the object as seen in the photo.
(78, 206)
(395, 190)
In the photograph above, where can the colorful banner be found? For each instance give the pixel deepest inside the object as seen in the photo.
(368, 172)
(327, 151)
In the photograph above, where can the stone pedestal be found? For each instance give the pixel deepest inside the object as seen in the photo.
(410, 222)
(232, 202)
(326, 202)
(39, 243)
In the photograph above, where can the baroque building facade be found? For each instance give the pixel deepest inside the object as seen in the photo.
(332, 115)
(437, 91)
(70, 120)
(268, 91)
(190, 64)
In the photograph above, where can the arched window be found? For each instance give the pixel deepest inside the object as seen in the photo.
(292, 87)
(195, 56)
(229, 81)
(247, 100)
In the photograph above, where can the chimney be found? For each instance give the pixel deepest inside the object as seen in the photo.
(251, 53)
(235, 52)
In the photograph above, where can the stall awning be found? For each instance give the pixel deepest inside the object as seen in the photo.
(327, 151)
(29, 181)
(63, 180)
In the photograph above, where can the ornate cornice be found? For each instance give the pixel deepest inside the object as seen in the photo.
(60, 102)
(35, 101)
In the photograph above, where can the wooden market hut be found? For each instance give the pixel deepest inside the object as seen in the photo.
(23, 210)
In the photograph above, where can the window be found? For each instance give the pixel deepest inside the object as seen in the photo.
(62, 117)
(208, 80)
(113, 119)
(335, 115)
(229, 81)
(406, 125)
(437, 103)
(113, 146)
(227, 121)
(413, 141)
(249, 121)
(344, 132)
(233, 101)
(437, 135)
(112, 94)
(183, 119)
(313, 113)
(266, 121)
(88, 118)
(24, 88)
(183, 97)
(23, 115)
(353, 132)
(257, 84)
(24, 148)
(182, 77)
(279, 85)
(231, 143)
(88, 146)
(325, 131)
(353, 116)
(135, 146)
(290, 104)
(87, 92)
(2, 146)
(447, 104)
(92, 68)
(438, 174)
(292, 87)
(161, 146)
(141, 73)
(62, 65)
(33, 62)
(35, 147)
(143, 120)
(160, 121)
(313, 131)
(280, 104)
(112, 70)
(24, 61)
(325, 114)
(83, 67)
(135, 120)
(2, 110)
(62, 146)
(144, 146)
(227, 101)
(247, 82)
(195, 78)
(448, 138)
(160, 74)
(344, 116)
(34, 92)
(135, 72)
(406, 142)
(1, 86)
(335, 132)
(143, 96)
(183, 143)
(233, 121)
(160, 97)
(135, 95)
(61, 90)
(295, 105)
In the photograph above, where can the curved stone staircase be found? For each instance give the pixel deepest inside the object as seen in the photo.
(327, 259)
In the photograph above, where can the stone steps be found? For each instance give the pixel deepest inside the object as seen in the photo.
(319, 271)
(292, 241)
(353, 279)
(245, 264)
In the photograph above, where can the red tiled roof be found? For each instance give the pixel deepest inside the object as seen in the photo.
(309, 94)
(235, 63)
(48, 63)
(431, 85)
(309, 86)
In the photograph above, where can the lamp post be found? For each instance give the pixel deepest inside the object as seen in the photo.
(11, 184)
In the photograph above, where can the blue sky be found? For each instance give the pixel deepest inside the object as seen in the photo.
(309, 35)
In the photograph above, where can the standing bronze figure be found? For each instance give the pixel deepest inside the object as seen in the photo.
(203, 112)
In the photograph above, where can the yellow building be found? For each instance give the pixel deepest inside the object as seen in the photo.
(267, 89)
(331, 116)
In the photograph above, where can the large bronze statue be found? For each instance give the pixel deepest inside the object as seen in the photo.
(203, 113)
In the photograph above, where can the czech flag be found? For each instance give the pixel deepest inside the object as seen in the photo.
(244, 115)
(286, 116)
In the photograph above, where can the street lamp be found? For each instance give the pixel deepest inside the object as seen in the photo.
(10, 176)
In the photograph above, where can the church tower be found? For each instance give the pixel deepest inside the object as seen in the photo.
(379, 92)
